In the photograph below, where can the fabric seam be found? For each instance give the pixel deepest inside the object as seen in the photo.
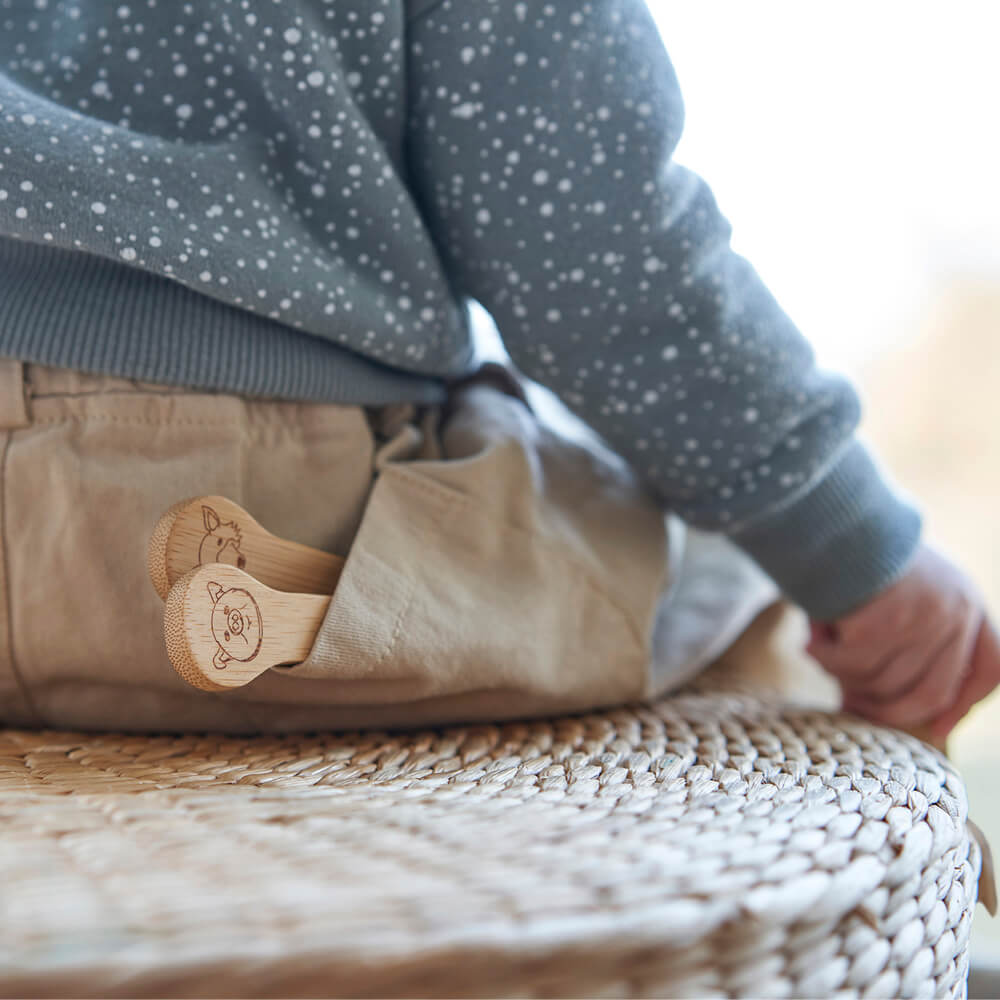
(423, 7)
(305, 427)
(141, 421)
(398, 627)
(250, 704)
(8, 596)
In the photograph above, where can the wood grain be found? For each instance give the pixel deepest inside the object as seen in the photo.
(212, 530)
(223, 628)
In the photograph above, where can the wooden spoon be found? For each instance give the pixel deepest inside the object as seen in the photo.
(213, 530)
(223, 628)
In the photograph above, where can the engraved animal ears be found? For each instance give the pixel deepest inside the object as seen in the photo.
(210, 517)
(215, 591)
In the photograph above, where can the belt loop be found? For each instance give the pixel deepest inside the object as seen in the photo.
(13, 395)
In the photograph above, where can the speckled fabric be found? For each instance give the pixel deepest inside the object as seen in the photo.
(296, 199)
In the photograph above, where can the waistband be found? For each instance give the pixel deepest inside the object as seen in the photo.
(79, 311)
(20, 382)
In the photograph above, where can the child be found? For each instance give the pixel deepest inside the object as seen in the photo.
(237, 200)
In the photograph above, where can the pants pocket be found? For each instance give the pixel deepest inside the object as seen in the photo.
(84, 485)
(517, 574)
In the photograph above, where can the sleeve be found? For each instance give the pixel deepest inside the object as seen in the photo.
(540, 144)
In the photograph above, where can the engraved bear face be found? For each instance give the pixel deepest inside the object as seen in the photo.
(237, 625)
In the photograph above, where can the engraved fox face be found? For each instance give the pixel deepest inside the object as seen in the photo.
(221, 542)
(237, 625)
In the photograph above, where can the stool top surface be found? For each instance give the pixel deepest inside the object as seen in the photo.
(710, 843)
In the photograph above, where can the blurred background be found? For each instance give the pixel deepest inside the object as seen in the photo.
(854, 148)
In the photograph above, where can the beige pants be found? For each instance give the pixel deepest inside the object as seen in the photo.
(496, 568)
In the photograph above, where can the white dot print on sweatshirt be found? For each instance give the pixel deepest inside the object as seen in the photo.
(324, 163)
(186, 84)
(568, 155)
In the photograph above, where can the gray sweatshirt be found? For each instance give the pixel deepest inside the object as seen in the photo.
(297, 199)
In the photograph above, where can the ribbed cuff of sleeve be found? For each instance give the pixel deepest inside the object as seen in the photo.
(841, 543)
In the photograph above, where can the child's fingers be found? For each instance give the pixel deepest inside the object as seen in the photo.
(846, 661)
(936, 683)
(878, 672)
(917, 682)
(930, 675)
(824, 633)
(982, 678)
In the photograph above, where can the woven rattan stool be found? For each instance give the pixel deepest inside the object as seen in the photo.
(714, 843)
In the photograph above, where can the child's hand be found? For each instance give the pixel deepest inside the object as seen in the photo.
(922, 651)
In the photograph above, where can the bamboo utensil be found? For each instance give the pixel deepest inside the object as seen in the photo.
(212, 530)
(223, 628)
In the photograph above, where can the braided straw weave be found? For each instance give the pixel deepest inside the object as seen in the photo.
(709, 844)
